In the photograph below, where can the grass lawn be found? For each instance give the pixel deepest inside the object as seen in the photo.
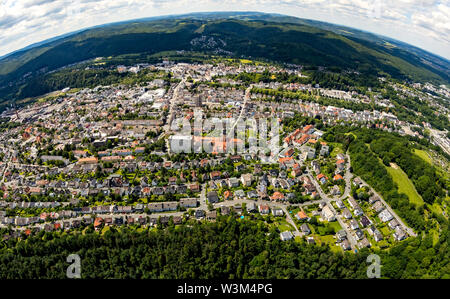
(284, 226)
(435, 235)
(337, 149)
(328, 239)
(424, 155)
(385, 231)
(405, 186)
(335, 225)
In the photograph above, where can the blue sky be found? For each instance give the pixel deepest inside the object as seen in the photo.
(423, 23)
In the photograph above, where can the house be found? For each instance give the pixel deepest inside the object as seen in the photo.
(377, 235)
(195, 187)
(353, 203)
(335, 190)
(251, 207)
(378, 206)
(358, 212)
(225, 210)
(170, 206)
(341, 235)
(153, 222)
(238, 208)
(340, 156)
(199, 214)
(239, 193)
(212, 197)
(235, 158)
(158, 190)
(264, 209)
(399, 234)
(246, 179)
(393, 223)
(164, 220)
(371, 229)
(373, 199)
(155, 207)
(177, 220)
(321, 178)
(310, 153)
(228, 195)
(277, 196)
(98, 222)
(215, 175)
(288, 152)
(118, 221)
(211, 215)
(340, 204)
(172, 180)
(357, 182)
(221, 183)
(233, 182)
(346, 213)
(89, 160)
(365, 222)
(385, 216)
(188, 202)
(305, 229)
(301, 215)
(327, 214)
(296, 171)
(285, 236)
(359, 234)
(240, 167)
(340, 164)
(346, 245)
(324, 150)
(277, 212)
(252, 194)
(130, 220)
(354, 224)
(363, 243)
(181, 189)
(310, 240)
(108, 221)
(338, 177)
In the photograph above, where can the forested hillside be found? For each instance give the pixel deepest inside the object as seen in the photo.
(276, 41)
(229, 248)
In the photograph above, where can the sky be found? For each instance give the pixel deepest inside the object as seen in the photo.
(422, 23)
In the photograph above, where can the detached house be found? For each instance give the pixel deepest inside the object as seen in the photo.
(246, 179)
(212, 197)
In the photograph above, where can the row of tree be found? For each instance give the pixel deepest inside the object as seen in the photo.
(227, 249)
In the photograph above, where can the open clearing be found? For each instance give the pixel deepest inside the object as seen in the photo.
(405, 186)
(424, 155)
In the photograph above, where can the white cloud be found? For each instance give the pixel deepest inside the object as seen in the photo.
(425, 23)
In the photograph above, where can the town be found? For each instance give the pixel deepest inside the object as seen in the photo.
(103, 157)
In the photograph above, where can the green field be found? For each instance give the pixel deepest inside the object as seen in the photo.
(283, 226)
(328, 239)
(424, 155)
(405, 186)
(337, 149)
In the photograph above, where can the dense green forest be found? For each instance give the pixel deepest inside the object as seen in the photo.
(228, 248)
